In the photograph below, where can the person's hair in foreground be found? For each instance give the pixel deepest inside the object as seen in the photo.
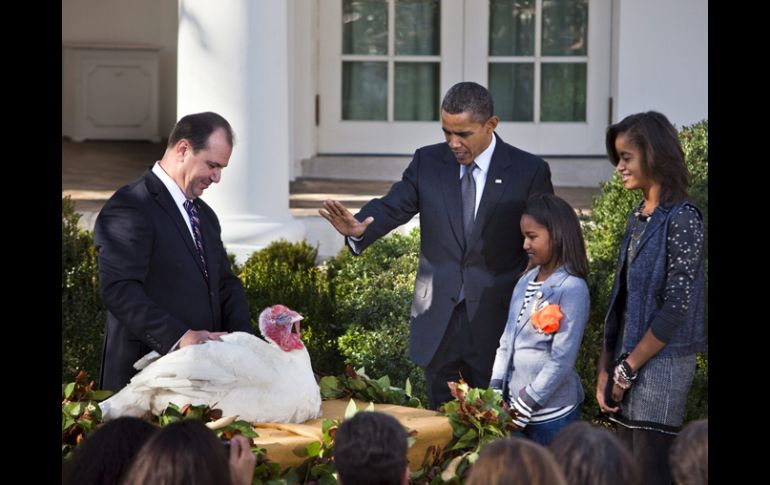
(106, 453)
(689, 455)
(182, 453)
(515, 461)
(370, 449)
(592, 455)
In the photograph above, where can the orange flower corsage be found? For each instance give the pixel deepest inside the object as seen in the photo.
(546, 320)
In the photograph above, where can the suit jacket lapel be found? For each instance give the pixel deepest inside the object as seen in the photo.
(450, 183)
(545, 292)
(499, 169)
(166, 202)
(528, 308)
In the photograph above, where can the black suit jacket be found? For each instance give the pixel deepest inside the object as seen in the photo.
(151, 277)
(494, 259)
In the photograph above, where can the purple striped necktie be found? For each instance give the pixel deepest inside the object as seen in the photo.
(195, 222)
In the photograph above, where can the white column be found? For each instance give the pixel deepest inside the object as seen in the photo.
(233, 59)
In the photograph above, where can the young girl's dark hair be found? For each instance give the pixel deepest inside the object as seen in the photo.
(567, 245)
(592, 455)
(662, 155)
(182, 453)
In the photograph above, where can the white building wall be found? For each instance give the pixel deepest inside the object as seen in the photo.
(234, 60)
(130, 22)
(303, 81)
(660, 59)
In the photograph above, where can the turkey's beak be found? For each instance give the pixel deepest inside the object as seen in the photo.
(297, 327)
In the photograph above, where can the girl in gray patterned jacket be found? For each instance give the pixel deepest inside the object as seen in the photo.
(655, 319)
(534, 368)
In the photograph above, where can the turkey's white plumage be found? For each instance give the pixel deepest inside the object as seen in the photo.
(242, 375)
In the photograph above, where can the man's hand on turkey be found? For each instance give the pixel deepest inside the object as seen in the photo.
(239, 373)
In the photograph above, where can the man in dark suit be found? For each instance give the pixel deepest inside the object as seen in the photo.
(471, 245)
(163, 271)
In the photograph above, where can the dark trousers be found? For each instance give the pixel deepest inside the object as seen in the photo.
(455, 358)
(650, 451)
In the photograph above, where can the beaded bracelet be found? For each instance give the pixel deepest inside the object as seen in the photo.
(623, 375)
(620, 380)
(625, 370)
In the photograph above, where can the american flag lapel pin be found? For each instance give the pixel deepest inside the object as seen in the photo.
(498, 181)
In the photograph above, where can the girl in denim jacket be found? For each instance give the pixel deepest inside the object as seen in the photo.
(655, 319)
(534, 369)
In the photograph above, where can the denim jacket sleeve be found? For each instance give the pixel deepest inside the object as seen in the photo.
(684, 253)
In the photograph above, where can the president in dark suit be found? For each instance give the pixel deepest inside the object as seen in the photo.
(469, 193)
(163, 271)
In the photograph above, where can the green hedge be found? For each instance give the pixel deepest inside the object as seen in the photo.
(285, 273)
(82, 313)
(373, 294)
(604, 232)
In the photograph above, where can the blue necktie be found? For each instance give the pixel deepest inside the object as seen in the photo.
(195, 222)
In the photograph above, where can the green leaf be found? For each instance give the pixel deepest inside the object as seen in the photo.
(384, 382)
(410, 441)
(68, 390)
(357, 384)
(472, 457)
(370, 407)
(100, 395)
(327, 480)
(468, 440)
(290, 476)
(313, 449)
(244, 427)
(351, 410)
(327, 423)
(330, 387)
(408, 387)
(67, 421)
(73, 408)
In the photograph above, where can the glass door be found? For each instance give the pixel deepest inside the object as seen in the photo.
(384, 65)
(546, 63)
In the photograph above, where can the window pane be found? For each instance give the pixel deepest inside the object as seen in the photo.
(512, 88)
(565, 27)
(365, 27)
(563, 91)
(364, 90)
(418, 30)
(512, 27)
(416, 91)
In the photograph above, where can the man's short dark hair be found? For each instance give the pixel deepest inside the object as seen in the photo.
(370, 449)
(197, 128)
(469, 97)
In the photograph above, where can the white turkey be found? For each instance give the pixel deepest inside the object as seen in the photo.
(242, 375)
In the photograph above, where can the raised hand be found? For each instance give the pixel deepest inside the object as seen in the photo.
(342, 220)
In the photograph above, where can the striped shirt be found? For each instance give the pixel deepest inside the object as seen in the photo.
(525, 413)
